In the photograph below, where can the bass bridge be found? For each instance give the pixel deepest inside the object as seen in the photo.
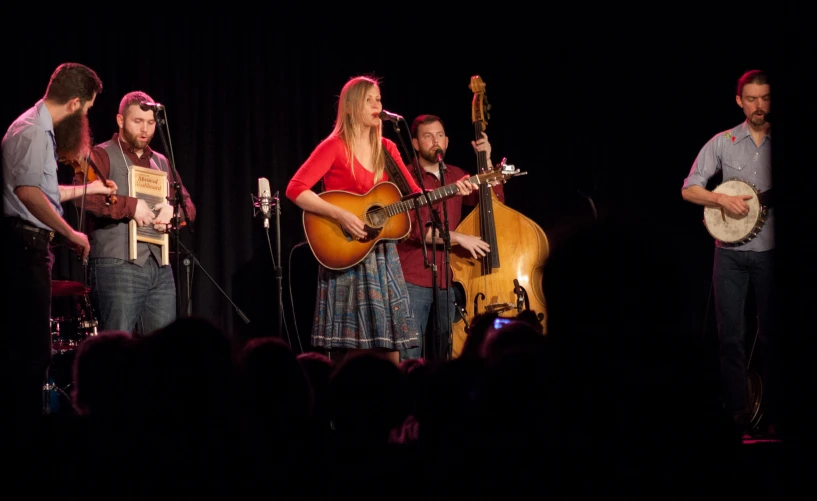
(522, 301)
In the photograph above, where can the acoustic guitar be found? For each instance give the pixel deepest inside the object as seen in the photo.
(383, 210)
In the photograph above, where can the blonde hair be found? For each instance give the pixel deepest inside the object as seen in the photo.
(350, 107)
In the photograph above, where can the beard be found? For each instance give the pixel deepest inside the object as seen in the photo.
(73, 136)
(431, 155)
(134, 141)
(759, 120)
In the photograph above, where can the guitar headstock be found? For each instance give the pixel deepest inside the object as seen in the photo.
(479, 103)
(499, 174)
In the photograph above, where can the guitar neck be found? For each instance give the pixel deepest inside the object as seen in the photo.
(434, 196)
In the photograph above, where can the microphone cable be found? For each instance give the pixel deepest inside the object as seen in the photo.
(291, 301)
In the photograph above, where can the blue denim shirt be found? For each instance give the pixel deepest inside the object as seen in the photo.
(735, 154)
(30, 159)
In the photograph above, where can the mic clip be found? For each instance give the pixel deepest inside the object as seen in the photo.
(258, 203)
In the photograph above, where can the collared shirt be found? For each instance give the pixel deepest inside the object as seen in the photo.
(735, 154)
(411, 249)
(125, 208)
(30, 159)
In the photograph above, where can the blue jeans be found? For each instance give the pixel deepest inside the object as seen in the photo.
(732, 273)
(131, 298)
(422, 304)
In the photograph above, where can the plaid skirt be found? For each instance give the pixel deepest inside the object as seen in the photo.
(365, 306)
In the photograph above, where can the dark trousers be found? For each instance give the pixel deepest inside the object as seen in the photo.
(26, 321)
(733, 271)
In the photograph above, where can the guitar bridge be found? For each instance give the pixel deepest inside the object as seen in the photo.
(371, 233)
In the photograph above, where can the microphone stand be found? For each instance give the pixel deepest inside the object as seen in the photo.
(177, 201)
(435, 221)
(446, 236)
(188, 263)
(278, 266)
(277, 262)
(192, 257)
(274, 203)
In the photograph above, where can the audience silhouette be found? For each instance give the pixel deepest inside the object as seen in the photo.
(584, 410)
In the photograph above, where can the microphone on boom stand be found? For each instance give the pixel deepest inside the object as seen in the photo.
(395, 119)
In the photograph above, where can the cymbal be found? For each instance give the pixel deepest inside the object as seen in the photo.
(68, 288)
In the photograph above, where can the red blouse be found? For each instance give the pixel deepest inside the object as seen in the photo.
(329, 161)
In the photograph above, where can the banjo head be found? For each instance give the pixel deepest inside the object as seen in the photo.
(732, 230)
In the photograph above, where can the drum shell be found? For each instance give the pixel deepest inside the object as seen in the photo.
(67, 333)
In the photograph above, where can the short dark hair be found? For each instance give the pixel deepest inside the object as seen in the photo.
(758, 77)
(72, 80)
(131, 98)
(424, 120)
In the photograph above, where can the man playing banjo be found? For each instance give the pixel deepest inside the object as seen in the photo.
(743, 156)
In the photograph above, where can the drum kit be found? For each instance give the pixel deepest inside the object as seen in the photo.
(73, 322)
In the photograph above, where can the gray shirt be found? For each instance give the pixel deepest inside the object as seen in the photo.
(735, 154)
(30, 159)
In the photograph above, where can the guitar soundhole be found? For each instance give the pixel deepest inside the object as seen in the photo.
(376, 219)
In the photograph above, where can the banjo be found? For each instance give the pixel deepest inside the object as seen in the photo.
(732, 231)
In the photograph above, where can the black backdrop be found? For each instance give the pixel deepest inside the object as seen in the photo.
(614, 110)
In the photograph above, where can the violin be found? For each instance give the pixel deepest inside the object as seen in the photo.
(80, 166)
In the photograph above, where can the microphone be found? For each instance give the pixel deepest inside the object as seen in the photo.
(145, 106)
(391, 117)
(264, 199)
(440, 154)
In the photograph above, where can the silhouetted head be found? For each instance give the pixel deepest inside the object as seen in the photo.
(367, 397)
(101, 371)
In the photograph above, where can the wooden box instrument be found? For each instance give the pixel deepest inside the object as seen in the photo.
(151, 186)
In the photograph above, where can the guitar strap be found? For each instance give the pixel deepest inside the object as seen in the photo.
(395, 174)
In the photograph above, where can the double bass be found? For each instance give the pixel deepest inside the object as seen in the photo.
(508, 279)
